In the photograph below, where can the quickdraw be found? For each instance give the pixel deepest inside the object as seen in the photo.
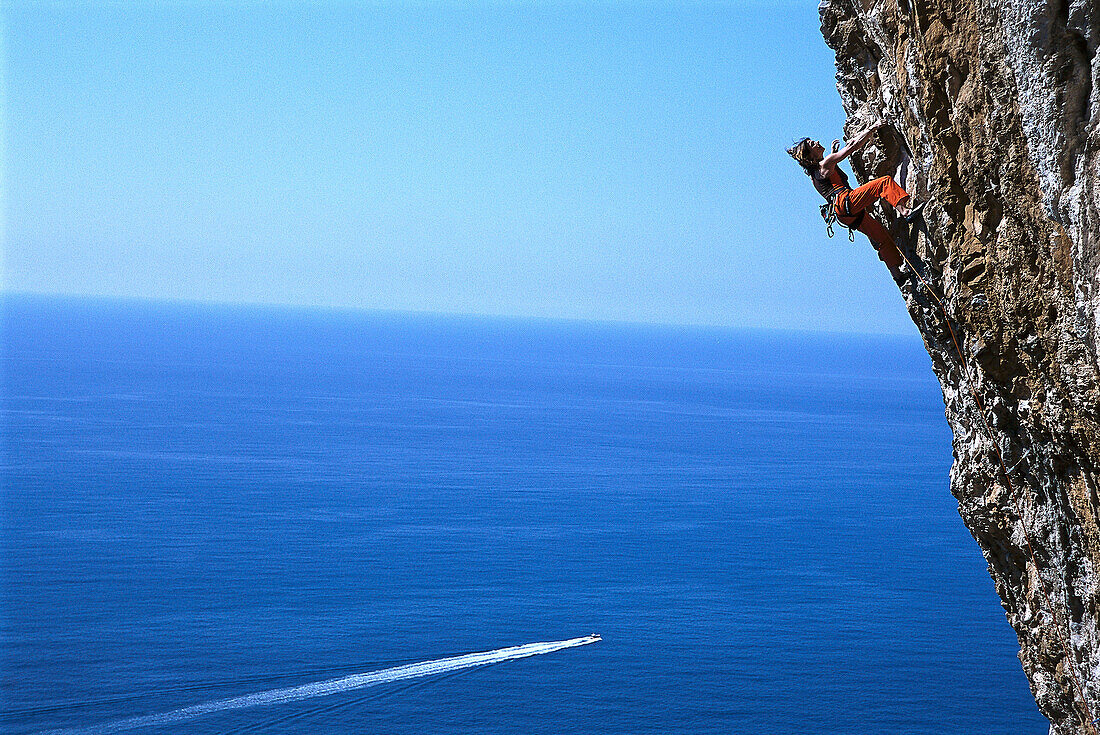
(828, 213)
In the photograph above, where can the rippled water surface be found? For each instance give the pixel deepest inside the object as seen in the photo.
(201, 503)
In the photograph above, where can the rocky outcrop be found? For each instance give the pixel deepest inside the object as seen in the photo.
(994, 107)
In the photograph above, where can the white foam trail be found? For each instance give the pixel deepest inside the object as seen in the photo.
(332, 686)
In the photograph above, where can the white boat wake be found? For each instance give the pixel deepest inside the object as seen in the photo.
(332, 686)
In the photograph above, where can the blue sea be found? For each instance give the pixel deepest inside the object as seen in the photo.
(204, 502)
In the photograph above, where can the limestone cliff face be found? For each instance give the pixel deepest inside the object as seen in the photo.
(995, 110)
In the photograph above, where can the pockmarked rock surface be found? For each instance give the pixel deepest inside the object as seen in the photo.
(993, 108)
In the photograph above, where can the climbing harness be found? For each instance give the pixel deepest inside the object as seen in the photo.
(834, 209)
(1070, 664)
(858, 216)
(831, 216)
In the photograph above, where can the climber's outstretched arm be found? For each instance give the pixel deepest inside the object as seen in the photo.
(836, 157)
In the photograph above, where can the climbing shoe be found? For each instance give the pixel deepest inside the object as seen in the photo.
(914, 213)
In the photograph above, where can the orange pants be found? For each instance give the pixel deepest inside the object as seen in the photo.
(860, 200)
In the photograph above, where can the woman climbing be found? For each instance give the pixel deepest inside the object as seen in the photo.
(851, 205)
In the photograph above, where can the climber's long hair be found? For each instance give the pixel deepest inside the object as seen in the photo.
(800, 152)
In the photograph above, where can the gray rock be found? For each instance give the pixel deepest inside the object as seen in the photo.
(995, 114)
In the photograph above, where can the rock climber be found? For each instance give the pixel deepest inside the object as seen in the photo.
(851, 205)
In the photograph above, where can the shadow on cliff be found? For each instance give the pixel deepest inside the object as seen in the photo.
(921, 281)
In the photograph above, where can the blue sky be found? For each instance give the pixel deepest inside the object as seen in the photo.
(607, 160)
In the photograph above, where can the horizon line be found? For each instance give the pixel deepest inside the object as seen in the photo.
(349, 309)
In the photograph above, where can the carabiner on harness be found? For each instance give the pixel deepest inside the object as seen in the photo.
(828, 213)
